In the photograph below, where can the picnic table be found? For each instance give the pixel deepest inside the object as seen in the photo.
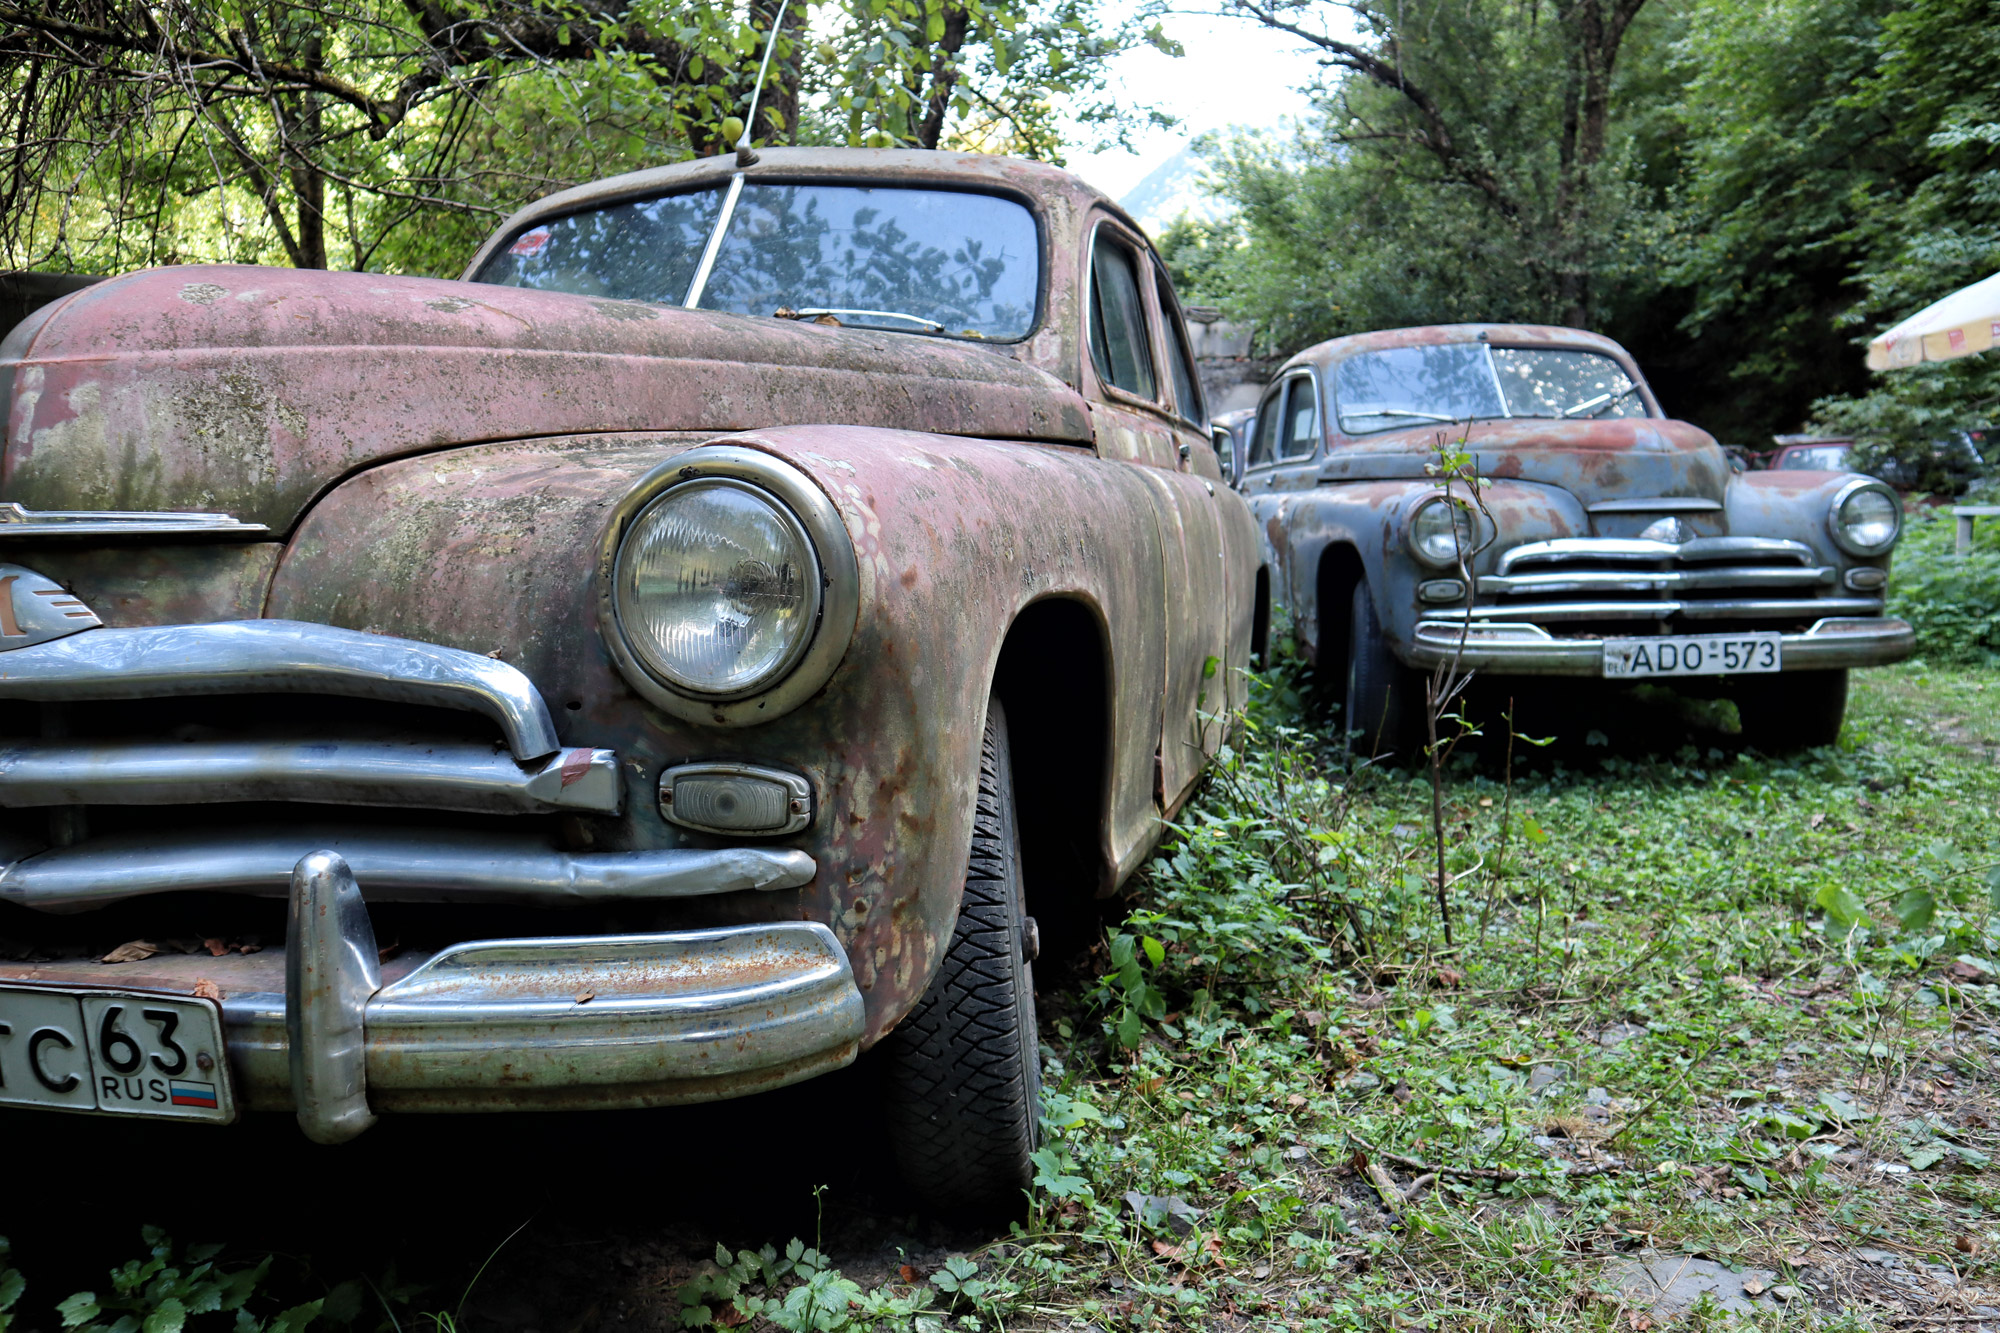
(1965, 514)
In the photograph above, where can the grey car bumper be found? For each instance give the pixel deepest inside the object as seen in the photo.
(1519, 649)
(565, 1022)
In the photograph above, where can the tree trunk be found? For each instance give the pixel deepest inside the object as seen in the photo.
(944, 76)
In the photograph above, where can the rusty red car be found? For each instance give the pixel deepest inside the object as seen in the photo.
(1606, 539)
(695, 647)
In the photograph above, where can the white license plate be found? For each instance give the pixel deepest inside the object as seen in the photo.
(1694, 655)
(113, 1052)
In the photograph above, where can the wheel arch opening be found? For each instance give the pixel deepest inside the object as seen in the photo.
(1054, 680)
(1340, 569)
(1260, 620)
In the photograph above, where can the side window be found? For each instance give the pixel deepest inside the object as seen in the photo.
(1301, 419)
(1187, 389)
(1264, 444)
(1118, 340)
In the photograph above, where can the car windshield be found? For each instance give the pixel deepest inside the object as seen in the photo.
(922, 261)
(1817, 458)
(1442, 383)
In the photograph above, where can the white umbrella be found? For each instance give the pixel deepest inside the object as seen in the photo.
(1962, 324)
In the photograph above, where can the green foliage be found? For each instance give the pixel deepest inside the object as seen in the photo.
(1776, 183)
(11, 1286)
(377, 135)
(801, 1292)
(163, 1293)
(1952, 601)
(1363, 221)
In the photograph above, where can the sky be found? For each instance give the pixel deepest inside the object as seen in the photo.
(1234, 73)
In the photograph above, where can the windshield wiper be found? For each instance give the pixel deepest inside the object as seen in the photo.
(815, 312)
(1595, 405)
(1399, 412)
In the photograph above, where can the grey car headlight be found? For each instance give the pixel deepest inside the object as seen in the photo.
(717, 587)
(727, 586)
(1865, 517)
(1439, 531)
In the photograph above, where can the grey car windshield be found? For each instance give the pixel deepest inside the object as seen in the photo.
(919, 261)
(1400, 387)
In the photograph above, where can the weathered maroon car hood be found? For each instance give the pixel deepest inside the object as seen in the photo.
(1593, 460)
(251, 390)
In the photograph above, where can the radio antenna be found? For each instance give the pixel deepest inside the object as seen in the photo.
(744, 156)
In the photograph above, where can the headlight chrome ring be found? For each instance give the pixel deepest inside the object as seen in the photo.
(775, 502)
(1430, 539)
(1861, 492)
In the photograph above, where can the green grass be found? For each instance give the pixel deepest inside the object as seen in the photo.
(1692, 1004)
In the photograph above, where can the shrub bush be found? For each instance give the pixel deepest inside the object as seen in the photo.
(1952, 601)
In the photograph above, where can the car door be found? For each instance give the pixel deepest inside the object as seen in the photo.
(1139, 425)
(1282, 462)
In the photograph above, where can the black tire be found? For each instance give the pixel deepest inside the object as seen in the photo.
(1791, 710)
(1383, 696)
(964, 1069)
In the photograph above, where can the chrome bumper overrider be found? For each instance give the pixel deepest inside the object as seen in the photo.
(550, 1023)
(1520, 649)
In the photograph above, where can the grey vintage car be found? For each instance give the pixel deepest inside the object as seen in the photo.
(1607, 540)
(720, 634)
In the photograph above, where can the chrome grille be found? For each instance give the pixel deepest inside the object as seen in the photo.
(1584, 585)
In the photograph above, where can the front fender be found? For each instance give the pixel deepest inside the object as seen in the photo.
(1370, 520)
(1790, 505)
(493, 547)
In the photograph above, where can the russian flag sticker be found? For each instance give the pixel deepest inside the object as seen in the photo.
(192, 1094)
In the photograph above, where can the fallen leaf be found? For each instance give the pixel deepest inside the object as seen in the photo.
(731, 1317)
(204, 989)
(1965, 971)
(907, 1273)
(1965, 1245)
(586, 997)
(1640, 1323)
(249, 948)
(1166, 1251)
(1753, 1288)
(1149, 1085)
(216, 947)
(132, 951)
(1295, 1100)
(1814, 822)
(1402, 1092)
(1449, 977)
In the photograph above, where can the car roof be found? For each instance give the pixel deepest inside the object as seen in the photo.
(1432, 335)
(1046, 185)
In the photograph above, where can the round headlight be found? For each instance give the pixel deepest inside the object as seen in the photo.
(1866, 517)
(717, 587)
(1439, 531)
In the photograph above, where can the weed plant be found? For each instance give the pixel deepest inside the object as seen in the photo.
(1951, 600)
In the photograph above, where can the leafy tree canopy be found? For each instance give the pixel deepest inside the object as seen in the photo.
(1740, 193)
(392, 134)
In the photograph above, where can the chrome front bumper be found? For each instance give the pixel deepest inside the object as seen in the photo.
(1520, 649)
(605, 1021)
